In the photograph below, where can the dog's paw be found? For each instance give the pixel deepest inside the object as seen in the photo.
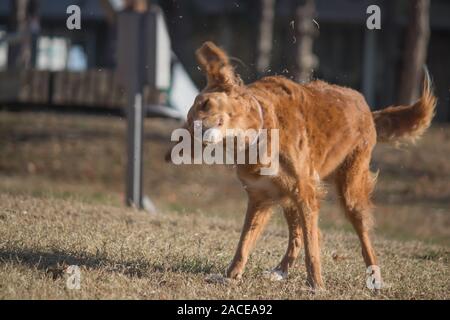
(275, 275)
(234, 273)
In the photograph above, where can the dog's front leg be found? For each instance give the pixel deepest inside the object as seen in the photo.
(307, 203)
(256, 218)
(292, 216)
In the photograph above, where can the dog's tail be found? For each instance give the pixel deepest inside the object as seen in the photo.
(397, 124)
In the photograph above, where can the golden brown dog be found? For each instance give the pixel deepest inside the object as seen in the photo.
(326, 132)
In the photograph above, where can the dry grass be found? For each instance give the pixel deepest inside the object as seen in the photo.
(60, 204)
(125, 254)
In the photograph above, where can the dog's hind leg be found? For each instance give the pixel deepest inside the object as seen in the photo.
(257, 216)
(355, 183)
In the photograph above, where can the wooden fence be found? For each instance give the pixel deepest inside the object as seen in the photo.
(90, 89)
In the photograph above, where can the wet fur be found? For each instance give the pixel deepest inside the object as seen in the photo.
(327, 132)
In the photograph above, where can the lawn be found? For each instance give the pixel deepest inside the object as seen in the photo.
(61, 194)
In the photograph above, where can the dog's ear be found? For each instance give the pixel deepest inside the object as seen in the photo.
(216, 65)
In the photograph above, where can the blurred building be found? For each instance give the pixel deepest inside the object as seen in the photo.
(345, 47)
(348, 53)
(77, 68)
(59, 48)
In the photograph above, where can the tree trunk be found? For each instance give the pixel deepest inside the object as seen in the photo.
(109, 11)
(18, 24)
(140, 6)
(307, 61)
(415, 54)
(265, 35)
(390, 10)
(25, 24)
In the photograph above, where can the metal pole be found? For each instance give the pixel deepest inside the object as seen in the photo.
(134, 145)
(137, 43)
(131, 56)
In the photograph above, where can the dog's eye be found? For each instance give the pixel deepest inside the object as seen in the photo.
(205, 105)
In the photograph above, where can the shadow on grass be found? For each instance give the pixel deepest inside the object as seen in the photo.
(56, 262)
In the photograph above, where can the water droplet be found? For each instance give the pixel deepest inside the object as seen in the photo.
(316, 23)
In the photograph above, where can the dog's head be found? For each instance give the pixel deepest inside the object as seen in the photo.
(225, 103)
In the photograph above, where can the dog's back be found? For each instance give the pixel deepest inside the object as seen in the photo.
(338, 119)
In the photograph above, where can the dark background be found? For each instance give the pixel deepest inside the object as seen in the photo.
(234, 25)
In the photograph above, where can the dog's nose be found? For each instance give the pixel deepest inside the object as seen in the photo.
(211, 123)
(212, 136)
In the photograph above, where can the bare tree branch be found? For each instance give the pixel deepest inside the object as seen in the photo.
(415, 54)
(307, 61)
(265, 35)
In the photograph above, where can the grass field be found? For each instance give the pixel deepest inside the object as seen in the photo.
(61, 193)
